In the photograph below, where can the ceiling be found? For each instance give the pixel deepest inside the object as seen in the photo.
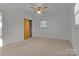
(53, 8)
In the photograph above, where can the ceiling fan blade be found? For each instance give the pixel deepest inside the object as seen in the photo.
(45, 7)
(33, 8)
(44, 13)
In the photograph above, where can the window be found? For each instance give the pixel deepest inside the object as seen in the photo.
(1, 43)
(77, 19)
(43, 24)
(76, 13)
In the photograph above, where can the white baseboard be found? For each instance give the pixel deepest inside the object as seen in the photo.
(53, 38)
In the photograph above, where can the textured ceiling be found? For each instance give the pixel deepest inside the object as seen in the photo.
(53, 8)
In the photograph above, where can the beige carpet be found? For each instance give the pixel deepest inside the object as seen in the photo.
(39, 47)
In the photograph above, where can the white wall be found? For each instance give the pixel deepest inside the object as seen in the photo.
(12, 25)
(59, 26)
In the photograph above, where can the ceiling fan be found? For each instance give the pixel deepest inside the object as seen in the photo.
(39, 9)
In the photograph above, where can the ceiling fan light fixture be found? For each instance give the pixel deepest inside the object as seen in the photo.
(39, 12)
(40, 9)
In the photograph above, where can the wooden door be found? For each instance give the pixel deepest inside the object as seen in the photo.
(26, 29)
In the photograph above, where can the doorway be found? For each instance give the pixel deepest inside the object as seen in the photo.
(30, 28)
(27, 29)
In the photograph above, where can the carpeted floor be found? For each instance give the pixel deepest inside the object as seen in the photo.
(39, 47)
